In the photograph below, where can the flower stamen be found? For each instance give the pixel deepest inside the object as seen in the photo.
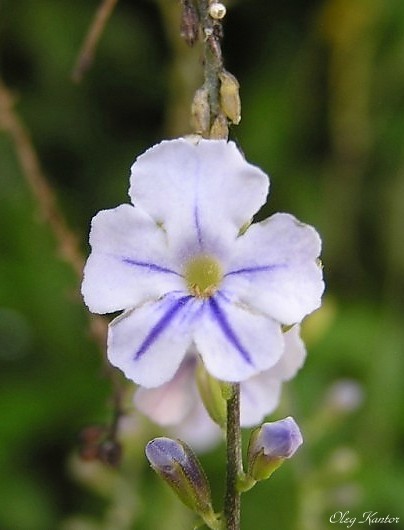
(203, 275)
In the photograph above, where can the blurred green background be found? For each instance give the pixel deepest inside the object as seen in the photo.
(322, 87)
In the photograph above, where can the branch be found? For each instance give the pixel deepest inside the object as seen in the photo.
(87, 52)
(66, 239)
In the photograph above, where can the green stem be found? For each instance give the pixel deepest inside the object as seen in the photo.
(234, 460)
(245, 483)
(212, 520)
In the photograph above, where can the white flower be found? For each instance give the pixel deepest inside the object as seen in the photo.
(177, 404)
(176, 263)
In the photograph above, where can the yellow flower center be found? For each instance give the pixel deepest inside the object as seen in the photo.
(203, 275)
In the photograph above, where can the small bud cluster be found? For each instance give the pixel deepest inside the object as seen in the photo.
(229, 108)
(211, 115)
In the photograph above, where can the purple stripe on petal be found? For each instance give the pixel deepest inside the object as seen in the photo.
(198, 226)
(228, 331)
(150, 266)
(259, 268)
(161, 325)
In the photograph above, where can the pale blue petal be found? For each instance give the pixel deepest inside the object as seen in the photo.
(201, 193)
(274, 269)
(234, 342)
(259, 396)
(129, 262)
(148, 343)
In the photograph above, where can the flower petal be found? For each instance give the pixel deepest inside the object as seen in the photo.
(274, 268)
(129, 262)
(260, 394)
(149, 342)
(202, 193)
(293, 357)
(170, 403)
(198, 429)
(234, 342)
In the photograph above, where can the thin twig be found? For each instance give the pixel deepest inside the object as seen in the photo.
(87, 52)
(67, 241)
(43, 193)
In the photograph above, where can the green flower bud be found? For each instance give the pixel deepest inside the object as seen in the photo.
(270, 445)
(220, 128)
(210, 390)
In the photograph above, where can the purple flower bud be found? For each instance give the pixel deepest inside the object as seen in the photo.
(270, 445)
(165, 454)
(280, 439)
(177, 464)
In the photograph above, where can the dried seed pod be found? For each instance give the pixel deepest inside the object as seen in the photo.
(189, 23)
(220, 128)
(230, 96)
(200, 111)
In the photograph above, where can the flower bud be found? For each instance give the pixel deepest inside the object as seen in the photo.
(210, 390)
(270, 445)
(230, 96)
(176, 463)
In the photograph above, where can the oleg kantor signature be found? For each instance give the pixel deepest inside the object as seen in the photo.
(370, 517)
